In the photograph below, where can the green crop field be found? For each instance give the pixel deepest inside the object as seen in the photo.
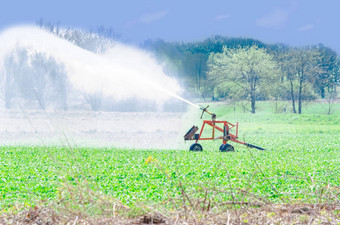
(301, 165)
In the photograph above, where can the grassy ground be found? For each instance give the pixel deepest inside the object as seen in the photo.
(300, 169)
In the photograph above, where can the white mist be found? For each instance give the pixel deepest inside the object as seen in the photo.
(122, 72)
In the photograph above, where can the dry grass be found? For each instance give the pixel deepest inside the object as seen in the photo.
(266, 214)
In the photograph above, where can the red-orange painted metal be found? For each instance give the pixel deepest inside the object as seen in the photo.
(226, 134)
(226, 130)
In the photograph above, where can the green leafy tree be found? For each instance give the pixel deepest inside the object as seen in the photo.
(247, 71)
(325, 79)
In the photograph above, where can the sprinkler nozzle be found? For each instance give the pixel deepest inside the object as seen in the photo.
(213, 115)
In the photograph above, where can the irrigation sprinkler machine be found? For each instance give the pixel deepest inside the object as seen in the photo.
(223, 127)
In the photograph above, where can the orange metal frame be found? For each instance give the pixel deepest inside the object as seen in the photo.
(226, 132)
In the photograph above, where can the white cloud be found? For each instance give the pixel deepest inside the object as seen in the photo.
(148, 18)
(222, 17)
(277, 18)
(308, 27)
(152, 17)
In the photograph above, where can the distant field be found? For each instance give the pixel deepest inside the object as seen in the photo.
(301, 165)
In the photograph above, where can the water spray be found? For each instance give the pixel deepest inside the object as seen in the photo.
(120, 73)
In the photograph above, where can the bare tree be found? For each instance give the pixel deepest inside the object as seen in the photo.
(289, 69)
(306, 68)
(34, 78)
(331, 98)
(7, 85)
(94, 100)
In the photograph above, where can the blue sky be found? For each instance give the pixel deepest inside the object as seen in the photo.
(294, 22)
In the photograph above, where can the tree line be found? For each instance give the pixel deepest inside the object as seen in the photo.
(239, 69)
(218, 68)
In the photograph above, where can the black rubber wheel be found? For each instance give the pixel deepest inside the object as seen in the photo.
(226, 148)
(196, 147)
